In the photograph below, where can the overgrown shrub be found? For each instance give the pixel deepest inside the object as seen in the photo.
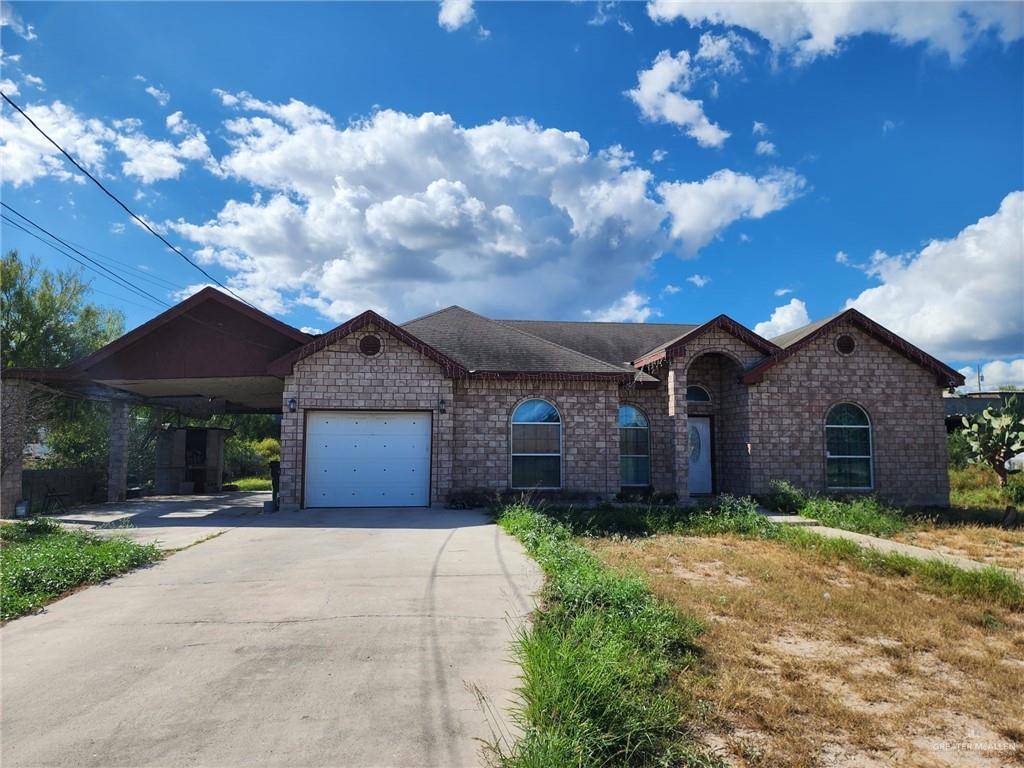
(959, 449)
(250, 458)
(785, 497)
(861, 514)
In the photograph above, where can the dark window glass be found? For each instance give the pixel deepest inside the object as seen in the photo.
(536, 411)
(633, 442)
(848, 441)
(536, 472)
(847, 415)
(696, 394)
(635, 470)
(849, 473)
(535, 438)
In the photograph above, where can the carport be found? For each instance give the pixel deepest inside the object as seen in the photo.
(207, 355)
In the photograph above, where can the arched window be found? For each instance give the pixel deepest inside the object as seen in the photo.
(848, 448)
(695, 393)
(634, 447)
(536, 445)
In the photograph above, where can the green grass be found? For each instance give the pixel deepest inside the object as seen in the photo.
(862, 514)
(977, 487)
(40, 561)
(739, 517)
(598, 662)
(253, 484)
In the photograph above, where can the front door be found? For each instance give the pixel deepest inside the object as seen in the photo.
(700, 454)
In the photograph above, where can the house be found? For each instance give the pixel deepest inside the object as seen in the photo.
(380, 414)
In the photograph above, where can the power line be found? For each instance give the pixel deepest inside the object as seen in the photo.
(91, 260)
(117, 200)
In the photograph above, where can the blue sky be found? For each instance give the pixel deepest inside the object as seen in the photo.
(571, 160)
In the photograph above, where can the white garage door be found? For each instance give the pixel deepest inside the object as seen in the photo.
(367, 459)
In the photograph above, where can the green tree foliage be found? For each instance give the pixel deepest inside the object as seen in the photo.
(47, 321)
(996, 436)
(45, 318)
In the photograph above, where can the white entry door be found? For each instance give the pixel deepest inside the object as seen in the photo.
(700, 454)
(367, 459)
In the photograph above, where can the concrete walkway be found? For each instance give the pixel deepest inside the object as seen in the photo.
(885, 545)
(316, 638)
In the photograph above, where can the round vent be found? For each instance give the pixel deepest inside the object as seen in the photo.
(370, 345)
(845, 345)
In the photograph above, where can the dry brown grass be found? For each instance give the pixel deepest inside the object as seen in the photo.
(988, 544)
(823, 665)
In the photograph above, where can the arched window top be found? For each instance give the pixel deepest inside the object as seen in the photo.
(847, 415)
(631, 417)
(536, 412)
(695, 393)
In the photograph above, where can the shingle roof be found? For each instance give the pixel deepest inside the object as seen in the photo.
(615, 343)
(792, 337)
(481, 344)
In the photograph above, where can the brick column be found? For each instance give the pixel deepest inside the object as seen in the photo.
(681, 428)
(117, 464)
(15, 397)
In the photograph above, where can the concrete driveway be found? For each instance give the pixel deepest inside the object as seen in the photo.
(316, 638)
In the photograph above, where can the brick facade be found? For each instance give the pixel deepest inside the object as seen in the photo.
(341, 377)
(117, 458)
(770, 430)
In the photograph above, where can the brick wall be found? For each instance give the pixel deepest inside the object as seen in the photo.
(117, 459)
(341, 377)
(903, 401)
(590, 433)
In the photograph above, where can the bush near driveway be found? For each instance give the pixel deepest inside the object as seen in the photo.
(40, 561)
(599, 662)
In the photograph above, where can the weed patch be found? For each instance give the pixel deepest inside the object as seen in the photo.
(599, 662)
(40, 561)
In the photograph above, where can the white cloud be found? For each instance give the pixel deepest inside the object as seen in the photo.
(454, 14)
(9, 87)
(35, 82)
(721, 52)
(178, 125)
(806, 29)
(406, 213)
(162, 96)
(958, 298)
(631, 308)
(782, 291)
(702, 209)
(659, 95)
(765, 148)
(788, 317)
(759, 129)
(699, 280)
(117, 228)
(658, 155)
(295, 114)
(670, 290)
(842, 257)
(605, 12)
(311, 330)
(996, 374)
(26, 156)
(8, 18)
(888, 126)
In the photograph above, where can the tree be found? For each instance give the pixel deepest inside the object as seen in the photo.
(46, 321)
(996, 436)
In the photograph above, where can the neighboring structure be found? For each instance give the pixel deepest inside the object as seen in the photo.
(378, 414)
(189, 460)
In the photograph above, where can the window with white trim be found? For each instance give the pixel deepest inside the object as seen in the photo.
(848, 449)
(634, 447)
(536, 445)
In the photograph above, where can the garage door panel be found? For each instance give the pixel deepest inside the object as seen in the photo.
(366, 458)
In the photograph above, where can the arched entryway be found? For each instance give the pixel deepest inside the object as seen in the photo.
(718, 425)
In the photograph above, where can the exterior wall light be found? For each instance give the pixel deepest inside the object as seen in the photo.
(292, 405)
(442, 406)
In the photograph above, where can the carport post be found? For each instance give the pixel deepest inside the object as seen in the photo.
(14, 397)
(117, 465)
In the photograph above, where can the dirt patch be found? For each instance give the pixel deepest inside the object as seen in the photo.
(987, 544)
(816, 664)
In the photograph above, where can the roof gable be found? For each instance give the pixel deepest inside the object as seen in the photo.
(723, 323)
(802, 337)
(207, 334)
(283, 366)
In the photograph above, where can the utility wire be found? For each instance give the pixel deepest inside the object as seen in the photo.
(117, 200)
(134, 288)
(81, 263)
